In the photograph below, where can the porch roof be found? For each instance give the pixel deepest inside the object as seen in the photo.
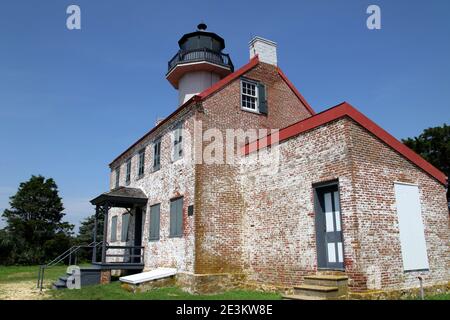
(123, 197)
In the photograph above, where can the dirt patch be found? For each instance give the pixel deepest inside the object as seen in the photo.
(22, 290)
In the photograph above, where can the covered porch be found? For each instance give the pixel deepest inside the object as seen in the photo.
(120, 257)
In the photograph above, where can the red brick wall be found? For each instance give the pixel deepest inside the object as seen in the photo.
(375, 169)
(278, 236)
(219, 204)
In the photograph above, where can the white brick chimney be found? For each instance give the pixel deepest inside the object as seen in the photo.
(265, 49)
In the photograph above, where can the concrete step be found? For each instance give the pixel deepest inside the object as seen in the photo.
(339, 281)
(58, 285)
(300, 297)
(327, 292)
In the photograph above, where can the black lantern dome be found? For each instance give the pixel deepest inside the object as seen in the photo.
(199, 51)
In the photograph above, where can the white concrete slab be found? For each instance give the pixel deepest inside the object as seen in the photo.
(155, 274)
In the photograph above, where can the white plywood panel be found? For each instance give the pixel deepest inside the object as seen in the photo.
(412, 236)
(148, 276)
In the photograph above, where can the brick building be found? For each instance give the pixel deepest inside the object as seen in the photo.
(300, 199)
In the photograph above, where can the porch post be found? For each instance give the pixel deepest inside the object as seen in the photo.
(94, 250)
(105, 232)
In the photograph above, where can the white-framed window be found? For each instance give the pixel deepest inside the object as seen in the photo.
(253, 96)
(249, 95)
(128, 172)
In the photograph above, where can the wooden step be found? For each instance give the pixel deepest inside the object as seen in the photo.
(300, 297)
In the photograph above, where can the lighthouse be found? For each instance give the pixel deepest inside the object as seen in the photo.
(199, 63)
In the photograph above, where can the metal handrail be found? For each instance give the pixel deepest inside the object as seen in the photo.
(124, 255)
(58, 259)
(200, 54)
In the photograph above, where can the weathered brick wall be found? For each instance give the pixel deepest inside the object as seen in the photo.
(219, 205)
(278, 225)
(279, 233)
(379, 263)
(172, 180)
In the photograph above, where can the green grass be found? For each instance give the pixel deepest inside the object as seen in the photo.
(113, 291)
(11, 274)
(442, 296)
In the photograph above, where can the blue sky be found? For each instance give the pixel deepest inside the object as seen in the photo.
(70, 101)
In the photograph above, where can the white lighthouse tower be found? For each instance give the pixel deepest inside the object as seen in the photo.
(199, 63)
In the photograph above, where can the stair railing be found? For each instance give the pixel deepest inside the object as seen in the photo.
(61, 257)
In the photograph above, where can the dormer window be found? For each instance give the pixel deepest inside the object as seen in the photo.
(253, 96)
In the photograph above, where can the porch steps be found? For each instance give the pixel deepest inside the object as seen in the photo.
(321, 287)
(89, 276)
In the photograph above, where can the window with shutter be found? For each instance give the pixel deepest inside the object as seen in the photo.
(154, 222)
(125, 223)
(253, 96)
(141, 167)
(178, 143)
(128, 174)
(157, 155)
(176, 217)
(114, 229)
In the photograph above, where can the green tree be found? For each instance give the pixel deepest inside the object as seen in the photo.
(35, 223)
(86, 235)
(434, 146)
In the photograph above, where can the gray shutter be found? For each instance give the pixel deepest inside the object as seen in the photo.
(262, 99)
(154, 222)
(114, 229)
(173, 217)
(180, 217)
(125, 223)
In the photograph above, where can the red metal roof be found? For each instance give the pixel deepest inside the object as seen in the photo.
(346, 110)
(213, 89)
